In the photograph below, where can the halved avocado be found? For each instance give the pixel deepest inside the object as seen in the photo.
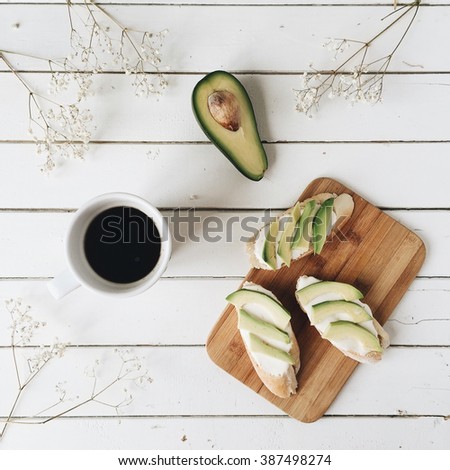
(225, 113)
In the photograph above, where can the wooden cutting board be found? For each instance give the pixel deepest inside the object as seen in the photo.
(379, 256)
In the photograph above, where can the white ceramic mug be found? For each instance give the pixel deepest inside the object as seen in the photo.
(80, 273)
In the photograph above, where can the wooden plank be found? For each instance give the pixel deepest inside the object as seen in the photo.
(409, 381)
(42, 255)
(294, 35)
(407, 326)
(382, 266)
(421, 318)
(204, 182)
(170, 119)
(226, 433)
(147, 319)
(337, 3)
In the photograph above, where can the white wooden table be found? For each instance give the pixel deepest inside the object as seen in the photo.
(396, 154)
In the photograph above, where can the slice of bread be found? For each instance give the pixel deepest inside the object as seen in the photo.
(343, 208)
(372, 326)
(285, 384)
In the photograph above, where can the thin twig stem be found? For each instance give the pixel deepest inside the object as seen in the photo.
(374, 38)
(361, 89)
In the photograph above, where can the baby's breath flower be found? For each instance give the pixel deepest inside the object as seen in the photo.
(130, 374)
(62, 130)
(45, 354)
(361, 83)
(104, 42)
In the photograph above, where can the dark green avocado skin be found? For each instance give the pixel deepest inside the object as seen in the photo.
(234, 159)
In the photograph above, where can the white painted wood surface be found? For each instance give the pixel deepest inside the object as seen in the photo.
(395, 154)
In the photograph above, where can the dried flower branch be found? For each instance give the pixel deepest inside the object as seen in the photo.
(23, 327)
(98, 42)
(57, 128)
(363, 82)
(104, 42)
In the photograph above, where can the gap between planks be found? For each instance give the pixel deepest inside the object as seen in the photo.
(215, 416)
(170, 278)
(227, 4)
(299, 72)
(265, 142)
(200, 346)
(70, 210)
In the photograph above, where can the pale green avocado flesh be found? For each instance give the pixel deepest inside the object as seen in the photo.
(225, 113)
(345, 331)
(256, 345)
(261, 328)
(285, 242)
(322, 225)
(269, 253)
(343, 291)
(335, 310)
(304, 226)
(280, 316)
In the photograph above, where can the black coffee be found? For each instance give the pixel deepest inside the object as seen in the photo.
(122, 244)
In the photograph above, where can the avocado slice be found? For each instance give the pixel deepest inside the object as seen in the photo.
(352, 333)
(269, 254)
(338, 310)
(304, 226)
(258, 346)
(341, 290)
(280, 316)
(225, 113)
(261, 328)
(322, 225)
(285, 243)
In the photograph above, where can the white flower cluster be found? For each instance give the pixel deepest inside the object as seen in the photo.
(336, 46)
(130, 372)
(358, 86)
(132, 368)
(45, 354)
(99, 44)
(61, 80)
(361, 83)
(61, 130)
(104, 42)
(149, 53)
(23, 325)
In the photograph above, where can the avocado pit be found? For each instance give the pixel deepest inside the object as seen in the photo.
(225, 110)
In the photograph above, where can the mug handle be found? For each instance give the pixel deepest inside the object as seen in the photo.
(63, 284)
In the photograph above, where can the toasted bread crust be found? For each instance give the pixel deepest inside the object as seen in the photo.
(369, 358)
(372, 356)
(343, 208)
(382, 334)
